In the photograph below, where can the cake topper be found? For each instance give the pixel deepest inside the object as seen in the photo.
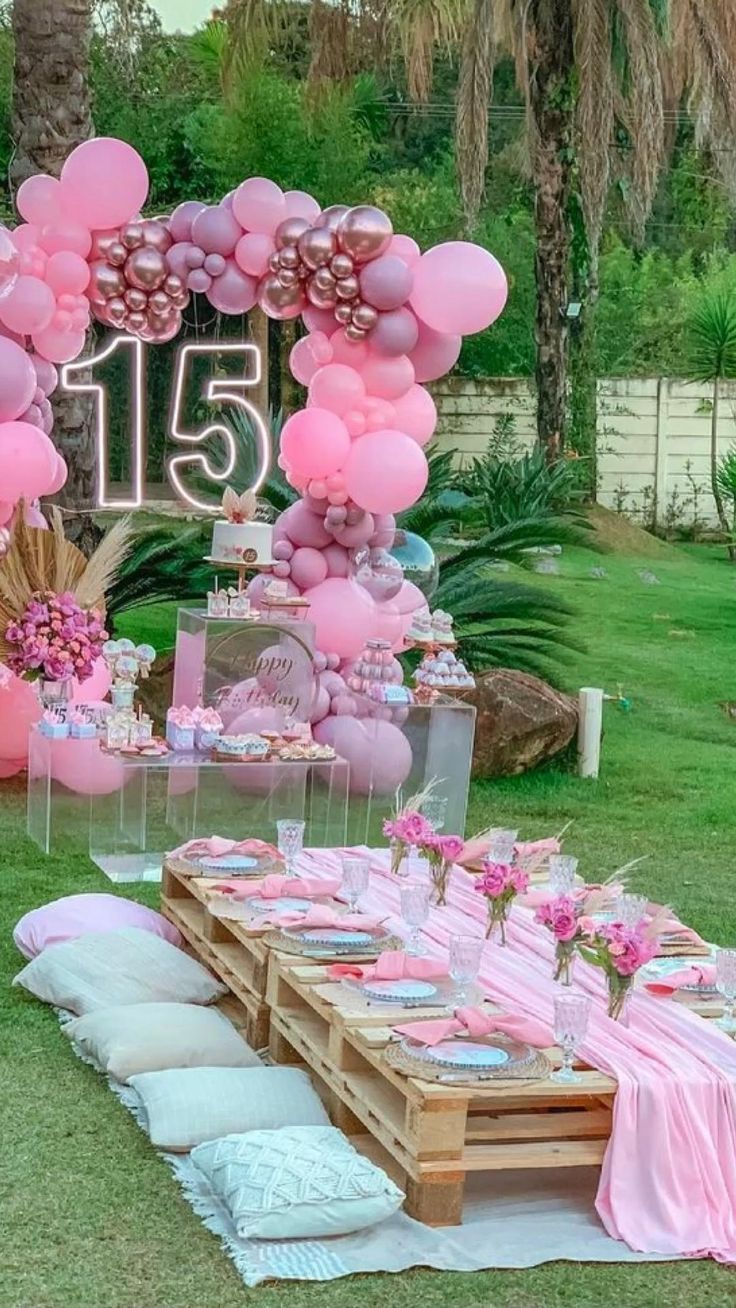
(239, 508)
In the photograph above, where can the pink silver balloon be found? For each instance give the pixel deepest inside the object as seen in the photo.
(159, 302)
(342, 265)
(354, 333)
(287, 277)
(107, 282)
(146, 268)
(365, 232)
(289, 257)
(319, 298)
(117, 254)
(173, 284)
(324, 279)
(135, 320)
(344, 312)
(274, 262)
(333, 216)
(289, 231)
(117, 309)
(317, 246)
(156, 235)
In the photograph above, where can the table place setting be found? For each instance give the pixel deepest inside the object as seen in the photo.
(323, 932)
(475, 1044)
(399, 979)
(216, 856)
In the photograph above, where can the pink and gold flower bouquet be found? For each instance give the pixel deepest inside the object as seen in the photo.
(500, 883)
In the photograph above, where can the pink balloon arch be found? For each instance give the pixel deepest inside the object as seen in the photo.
(382, 319)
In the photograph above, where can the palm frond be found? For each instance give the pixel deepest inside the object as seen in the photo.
(641, 105)
(594, 109)
(713, 338)
(422, 27)
(474, 94)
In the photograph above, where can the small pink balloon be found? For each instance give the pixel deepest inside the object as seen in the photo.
(194, 256)
(60, 475)
(282, 550)
(38, 199)
(315, 442)
(63, 234)
(386, 471)
(177, 258)
(26, 236)
(308, 567)
(180, 222)
(198, 281)
(354, 535)
(386, 282)
(434, 354)
(406, 249)
(337, 559)
(233, 291)
(336, 387)
(46, 374)
(17, 380)
(33, 415)
(253, 252)
(104, 182)
(355, 422)
(29, 306)
(388, 378)
(416, 414)
(27, 461)
(67, 273)
(458, 287)
(58, 347)
(216, 230)
(282, 569)
(258, 205)
(396, 332)
(354, 353)
(302, 527)
(299, 204)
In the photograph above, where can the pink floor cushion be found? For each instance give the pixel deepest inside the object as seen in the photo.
(78, 915)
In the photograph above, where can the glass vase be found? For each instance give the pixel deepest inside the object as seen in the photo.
(440, 876)
(619, 993)
(399, 858)
(54, 694)
(498, 913)
(564, 962)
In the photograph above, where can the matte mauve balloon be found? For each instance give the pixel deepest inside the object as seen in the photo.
(364, 232)
(180, 222)
(395, 332)
(435, 353)
(234, 291)
(386, 282)
(258, 205)
(17, 380)
(253, 252)
(216, 230)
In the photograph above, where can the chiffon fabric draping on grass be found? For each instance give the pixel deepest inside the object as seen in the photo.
(668, 1180)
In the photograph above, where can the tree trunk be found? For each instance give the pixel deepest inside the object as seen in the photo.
(551, 98)
(50, 116)
(720, 509)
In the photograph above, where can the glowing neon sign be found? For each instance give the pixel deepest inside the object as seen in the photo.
(221, 392)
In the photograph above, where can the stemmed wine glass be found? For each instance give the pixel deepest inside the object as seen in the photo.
(502, 846)
(562, 868)
(290, 836)
(414, 901)
(572, 1012)
(355, 877)
(726, 986)
(630, 909)
(465, 956)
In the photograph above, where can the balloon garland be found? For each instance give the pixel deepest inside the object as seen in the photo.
(382, 319)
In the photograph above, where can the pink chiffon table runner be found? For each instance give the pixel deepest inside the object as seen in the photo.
(668, 1179)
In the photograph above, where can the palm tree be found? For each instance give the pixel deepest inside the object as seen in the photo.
(50, 116)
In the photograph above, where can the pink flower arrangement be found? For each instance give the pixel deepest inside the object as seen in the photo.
(501, 883)
(619, 951)
(562, 916)
(406, 830)
(441, 852)
(55, 639)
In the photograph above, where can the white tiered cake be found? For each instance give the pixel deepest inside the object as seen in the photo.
(238, 538)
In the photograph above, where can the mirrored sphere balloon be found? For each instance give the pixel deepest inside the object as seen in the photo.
(365, 232)
(378, 572)
(289, 257)
(289, 231)
(317, 246)
(131, 235)
(417, 559)
(156, 235)
(324, 279)
(135, 298)
(321, 299)
(333, 216)
(117, 254)
(342, 265)
(348, 287)
(343, 312)
(279, 301)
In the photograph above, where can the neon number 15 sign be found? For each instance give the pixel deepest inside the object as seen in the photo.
(227, 395)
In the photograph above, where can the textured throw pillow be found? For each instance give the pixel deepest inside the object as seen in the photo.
(117, 967)
(132, 1038)
(183, 1108)
(78, 915)
(296, 1183)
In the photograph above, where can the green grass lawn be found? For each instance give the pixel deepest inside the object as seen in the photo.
(92, 1217)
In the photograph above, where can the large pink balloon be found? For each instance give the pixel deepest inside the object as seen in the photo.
(416, 414)
(233, 291)
(315, 442)
(458, 287)
(308, 567)
(216, 231)
(19, 709)
(83, 767)
(299, 204)
(38, 198)
(379, 753)
(387, 378)
(180, 222)
(386, 471)
(253, 252)
(386, 282)
(104, 182)
(27, 461)
(343, 615)
(258, 205)
(96, 686)
(17, 380)
(435, 353)
(56, 346)
(29, 307)
(336, 387)
(67, 273)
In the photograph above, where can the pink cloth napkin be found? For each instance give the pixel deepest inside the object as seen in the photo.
(219, 847)
(321, 916)
(279, 887)
(394, 965)
(672, 927)
(477, 1022)
(687, 976)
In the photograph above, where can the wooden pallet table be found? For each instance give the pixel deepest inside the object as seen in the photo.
(437, 1134)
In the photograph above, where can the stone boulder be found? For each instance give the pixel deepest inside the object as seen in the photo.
(521, 722)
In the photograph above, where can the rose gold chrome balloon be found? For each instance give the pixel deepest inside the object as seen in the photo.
(365, 316)
(289, 231)
(117, 254)
(101, 242)
(317, 246)
(173, 284)
(319, 298)
(365, 232)
(287, 277)
(132, 235)
(107, 281)
(4, 541)
(159, 302)
(279, 301)
(354, 333)
(135, 320)
(289, 257)
(156, 235)
(333, 216)
(324, 279)
(342, 265)
(274, 261)
(135, 298)
(347, 288)
(344, 312)
(117, 308)
(146, 268)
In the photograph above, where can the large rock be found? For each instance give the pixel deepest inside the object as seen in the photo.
(521, 722)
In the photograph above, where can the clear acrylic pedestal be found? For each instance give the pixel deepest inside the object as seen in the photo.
(143, 807)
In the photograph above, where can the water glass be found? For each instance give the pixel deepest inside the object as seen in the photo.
(726, 986)
(631, 909)
(501, 849)
(414, 900)
(572, 1012)
(562, 869)
(465, 955)
(290, 836)
(355, 876)
(435, 810)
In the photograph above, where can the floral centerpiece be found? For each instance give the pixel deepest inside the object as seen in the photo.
(55, 639)
(620, 951)
(501, 883)
(408, 829)
(441, 852)
(561, 916)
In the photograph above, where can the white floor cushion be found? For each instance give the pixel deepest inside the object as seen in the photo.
(131, 1038)
(296, 1183)
(184, 1107)
(117, 967)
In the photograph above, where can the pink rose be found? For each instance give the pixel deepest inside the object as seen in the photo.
(417, 829)
(519, 880)
(451, 847)
(564, 925)
(495, 880)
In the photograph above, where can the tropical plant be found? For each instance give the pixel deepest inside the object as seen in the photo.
(727, 481)
(713, 359)
(528, 486)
